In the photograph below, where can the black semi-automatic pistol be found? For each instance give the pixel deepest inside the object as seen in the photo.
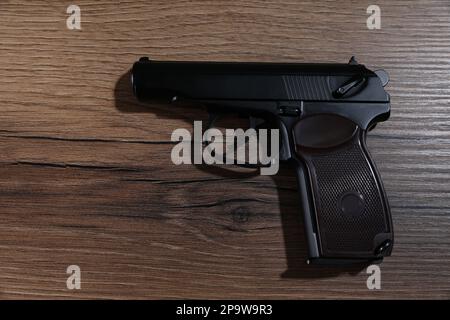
(323, 113)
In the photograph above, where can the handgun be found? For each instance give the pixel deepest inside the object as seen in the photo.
(323, 112)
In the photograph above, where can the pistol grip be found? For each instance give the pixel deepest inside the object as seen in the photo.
(346, 212)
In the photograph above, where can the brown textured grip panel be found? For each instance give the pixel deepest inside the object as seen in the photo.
(351, 210)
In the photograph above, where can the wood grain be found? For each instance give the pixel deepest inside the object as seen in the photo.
(85, 171)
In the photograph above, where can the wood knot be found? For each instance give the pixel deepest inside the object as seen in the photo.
(240, 215)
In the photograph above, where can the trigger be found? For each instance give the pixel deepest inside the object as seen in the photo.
(255, 122)
(212, 118)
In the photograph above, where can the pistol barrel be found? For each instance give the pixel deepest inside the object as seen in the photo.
(158, 80)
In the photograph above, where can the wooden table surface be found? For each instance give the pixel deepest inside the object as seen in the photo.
(85, 171)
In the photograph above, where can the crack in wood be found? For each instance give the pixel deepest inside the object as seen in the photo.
(74, 165)
(85, 139)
